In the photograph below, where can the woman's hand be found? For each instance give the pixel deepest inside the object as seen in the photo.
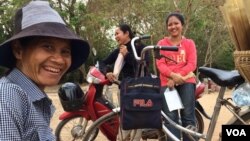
(111, 77)
(177, 78)
(170, 83)
(123, 50)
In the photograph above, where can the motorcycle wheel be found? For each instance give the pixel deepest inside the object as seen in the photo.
(73, 129)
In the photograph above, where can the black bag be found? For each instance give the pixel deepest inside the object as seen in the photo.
(141, 103)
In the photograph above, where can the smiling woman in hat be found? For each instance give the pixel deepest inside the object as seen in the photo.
(37, 55)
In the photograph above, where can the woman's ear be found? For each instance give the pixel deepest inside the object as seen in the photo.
(127, 33)
(16, 49)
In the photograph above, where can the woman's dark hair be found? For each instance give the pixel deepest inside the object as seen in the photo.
(27, 40)
(124, 28)
(177, 15)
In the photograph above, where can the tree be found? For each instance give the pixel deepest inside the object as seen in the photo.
(6, 23)
(94, 21)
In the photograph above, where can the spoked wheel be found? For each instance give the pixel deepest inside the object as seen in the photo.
(110, 134)
(153, 134)
(199, 121)
(73, 129)
(108, 124)
(161, 136)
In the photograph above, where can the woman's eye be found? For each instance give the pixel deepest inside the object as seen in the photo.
(66, 52)
(47, 46)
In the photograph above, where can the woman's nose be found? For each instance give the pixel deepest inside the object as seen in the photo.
(58, 57)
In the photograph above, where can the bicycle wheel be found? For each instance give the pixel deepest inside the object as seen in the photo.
(199, 122)
(113, 119)
(108, 124)
(153, 134)
(245, 117)
(73, 128)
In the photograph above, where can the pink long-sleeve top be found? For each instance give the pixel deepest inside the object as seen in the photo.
(185, 57)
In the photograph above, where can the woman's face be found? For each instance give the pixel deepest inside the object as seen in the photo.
(121, 37)
(174, 26)
(44, 60)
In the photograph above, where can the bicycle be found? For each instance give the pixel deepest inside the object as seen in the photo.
(108, 118)
(225, 79)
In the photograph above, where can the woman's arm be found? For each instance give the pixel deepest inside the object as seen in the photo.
(191, 59)
(105, 64)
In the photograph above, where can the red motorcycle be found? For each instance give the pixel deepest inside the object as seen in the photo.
(79, 114)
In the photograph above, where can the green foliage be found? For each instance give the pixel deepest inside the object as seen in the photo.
(224, 58)
(94, 21)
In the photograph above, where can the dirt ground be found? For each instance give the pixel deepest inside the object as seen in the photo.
(207, 100)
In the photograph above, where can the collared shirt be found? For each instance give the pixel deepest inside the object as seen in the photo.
(25, 110)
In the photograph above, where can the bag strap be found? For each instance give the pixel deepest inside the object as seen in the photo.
(141, 69)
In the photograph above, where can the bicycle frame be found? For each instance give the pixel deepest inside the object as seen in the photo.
(142, 58)
(231, 79)
(142, 73)
(222, 78)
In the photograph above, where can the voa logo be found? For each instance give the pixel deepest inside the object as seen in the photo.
(236, 132)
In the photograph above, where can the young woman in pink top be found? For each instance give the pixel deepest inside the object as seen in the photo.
(177, 74)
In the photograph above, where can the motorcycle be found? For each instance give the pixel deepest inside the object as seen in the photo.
(94, 106)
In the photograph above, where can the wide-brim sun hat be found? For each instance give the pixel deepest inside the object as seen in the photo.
(37, 18)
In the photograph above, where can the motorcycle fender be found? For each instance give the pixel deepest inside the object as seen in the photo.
(66, 115)
(243, 111)
(200, 108)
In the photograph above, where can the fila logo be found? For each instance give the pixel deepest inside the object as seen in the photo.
(142, 103)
